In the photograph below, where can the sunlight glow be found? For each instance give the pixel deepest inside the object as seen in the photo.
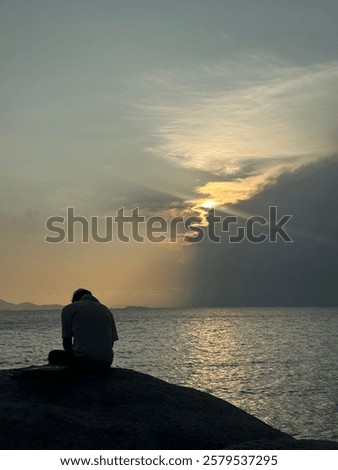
(208, 204)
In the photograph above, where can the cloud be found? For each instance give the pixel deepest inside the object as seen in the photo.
(64, 197)
(258, 111)
(270, 274)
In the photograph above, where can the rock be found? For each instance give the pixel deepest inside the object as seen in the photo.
(124, 409)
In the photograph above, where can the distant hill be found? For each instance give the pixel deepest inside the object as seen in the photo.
(27, 306)
(135, 307)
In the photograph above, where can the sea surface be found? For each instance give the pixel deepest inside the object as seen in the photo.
(279, 364)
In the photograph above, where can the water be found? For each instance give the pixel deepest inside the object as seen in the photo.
(278, 364)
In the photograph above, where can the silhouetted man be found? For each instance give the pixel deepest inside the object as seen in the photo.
(88, 333)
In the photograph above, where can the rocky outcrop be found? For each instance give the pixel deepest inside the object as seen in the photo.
(124, 409)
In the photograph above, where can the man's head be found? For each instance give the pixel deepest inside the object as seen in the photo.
(79, 293)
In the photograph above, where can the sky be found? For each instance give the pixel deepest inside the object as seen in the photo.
(175, 108)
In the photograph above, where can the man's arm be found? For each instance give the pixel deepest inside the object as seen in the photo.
(67, 344)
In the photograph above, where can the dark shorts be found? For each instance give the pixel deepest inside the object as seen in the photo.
(67, 358)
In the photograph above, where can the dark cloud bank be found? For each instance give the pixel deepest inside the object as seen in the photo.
(302, 273)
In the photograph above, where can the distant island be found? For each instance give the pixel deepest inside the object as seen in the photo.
(134, 307)
(27, 306)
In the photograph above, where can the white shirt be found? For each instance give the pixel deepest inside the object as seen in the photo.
(93, 328)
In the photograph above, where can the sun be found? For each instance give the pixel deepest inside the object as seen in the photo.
(208, 204)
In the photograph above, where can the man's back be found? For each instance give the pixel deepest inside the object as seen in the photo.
(92, 326)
